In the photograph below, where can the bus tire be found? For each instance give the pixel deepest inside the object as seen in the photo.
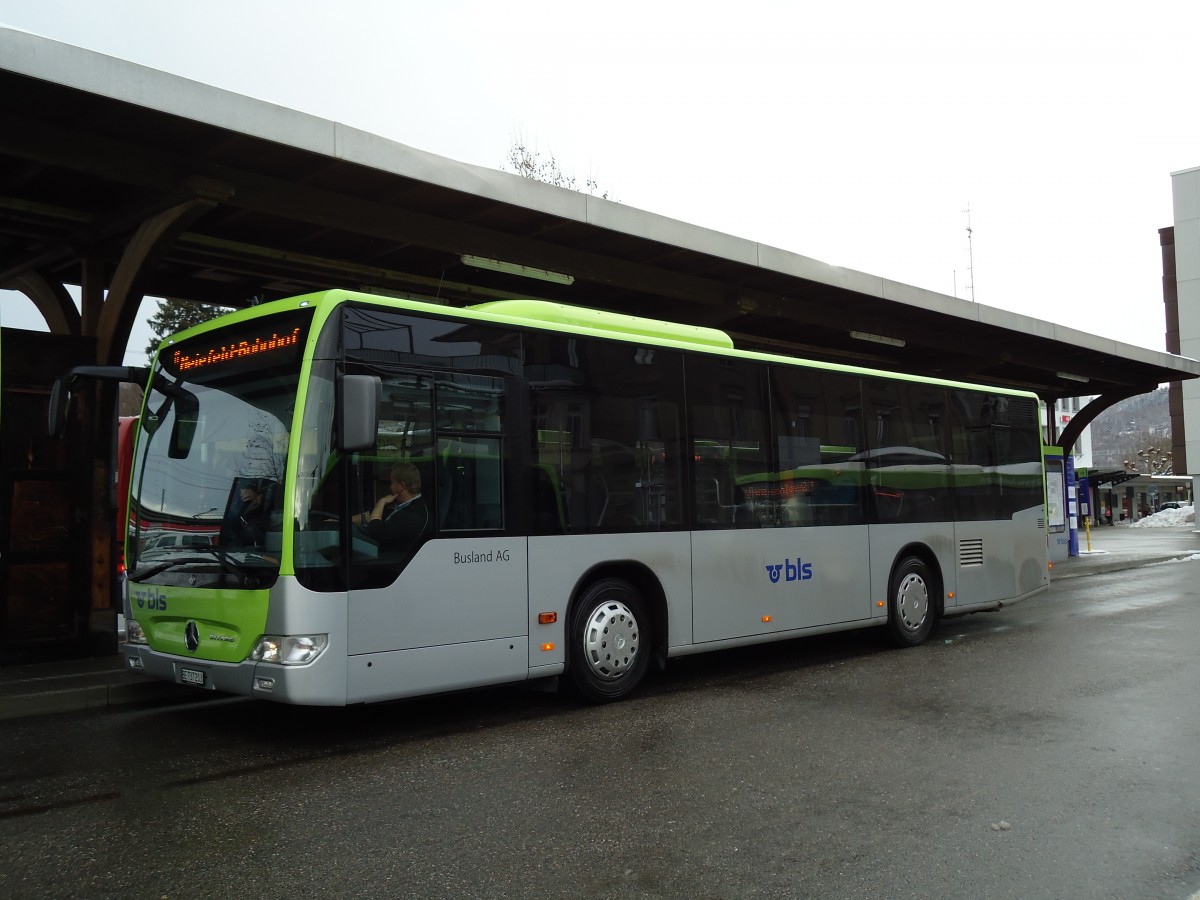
(610, 641)
(912, 607)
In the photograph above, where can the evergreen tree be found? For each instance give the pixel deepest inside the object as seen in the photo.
(175, 315)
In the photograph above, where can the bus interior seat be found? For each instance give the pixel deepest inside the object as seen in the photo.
(597, 496)
(548, 514)
(709, 508)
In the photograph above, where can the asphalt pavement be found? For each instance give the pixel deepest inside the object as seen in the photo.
(101, 682)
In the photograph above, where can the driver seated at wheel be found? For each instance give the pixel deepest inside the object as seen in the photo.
(400, 519)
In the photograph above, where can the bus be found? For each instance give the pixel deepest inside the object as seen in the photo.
(598, 493)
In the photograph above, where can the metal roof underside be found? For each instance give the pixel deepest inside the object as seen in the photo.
(91, 147)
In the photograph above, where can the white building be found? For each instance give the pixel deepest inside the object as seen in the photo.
(1064, 411)
(1185, 190)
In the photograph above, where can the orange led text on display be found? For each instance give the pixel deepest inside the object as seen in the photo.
(230, 352)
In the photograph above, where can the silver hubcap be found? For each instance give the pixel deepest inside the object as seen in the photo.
(610, 640)
(912, 602)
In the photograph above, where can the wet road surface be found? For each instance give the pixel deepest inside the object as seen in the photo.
(1051, 749)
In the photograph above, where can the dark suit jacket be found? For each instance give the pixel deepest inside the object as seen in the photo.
(400, 530)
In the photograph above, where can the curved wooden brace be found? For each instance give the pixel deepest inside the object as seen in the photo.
(51, 300)
(147, 246)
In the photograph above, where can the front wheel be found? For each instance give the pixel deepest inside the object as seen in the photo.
(610, 641)
(912, 607)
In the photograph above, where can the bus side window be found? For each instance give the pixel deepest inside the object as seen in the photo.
(606, 430)
(817, 432)
(729, 445)
(548, 514)
(470, 494)
(470, 452)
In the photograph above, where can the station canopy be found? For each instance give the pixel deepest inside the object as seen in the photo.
(132, 182)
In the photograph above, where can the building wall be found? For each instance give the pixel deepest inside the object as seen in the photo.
(1064, 411)
(1067, 409)
(1185, 190)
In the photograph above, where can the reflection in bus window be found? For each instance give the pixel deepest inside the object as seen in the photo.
(817, 426)
(908, 460)
(997, 454)
(189, 498)
(730, 446)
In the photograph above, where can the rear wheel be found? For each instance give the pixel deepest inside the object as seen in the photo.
(610, 641)
(912, 607)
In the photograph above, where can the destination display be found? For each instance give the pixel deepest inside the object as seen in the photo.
(252, 345)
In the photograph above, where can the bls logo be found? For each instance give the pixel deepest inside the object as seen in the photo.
(151, 600)
(791, 571)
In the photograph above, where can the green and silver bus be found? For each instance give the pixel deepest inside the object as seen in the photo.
(600, 493)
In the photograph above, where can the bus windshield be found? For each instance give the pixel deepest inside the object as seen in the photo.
(207, 485)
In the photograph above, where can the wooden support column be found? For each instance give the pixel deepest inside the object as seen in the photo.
(100, 401)
(111, 320)
(92, 293)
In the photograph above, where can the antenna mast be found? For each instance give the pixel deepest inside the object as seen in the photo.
(970, 254)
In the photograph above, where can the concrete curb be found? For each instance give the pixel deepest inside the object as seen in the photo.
(1118, 563)
(77, 693)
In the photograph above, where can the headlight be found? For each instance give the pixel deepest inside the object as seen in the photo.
(289, 649)
(134, 633)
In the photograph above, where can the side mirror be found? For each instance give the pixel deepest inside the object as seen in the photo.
(60, 391)
(60, 396)
(187, 416)
(359, 399)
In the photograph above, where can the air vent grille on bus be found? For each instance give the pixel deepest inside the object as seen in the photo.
(970, 552)
(1023, 409)
(1041, 522)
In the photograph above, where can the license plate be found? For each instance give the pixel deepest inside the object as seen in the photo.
(191, 676)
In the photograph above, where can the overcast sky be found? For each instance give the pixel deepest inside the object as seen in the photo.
(855, 133)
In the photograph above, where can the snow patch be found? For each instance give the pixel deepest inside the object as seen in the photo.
(1179, 559)
(1168, 518)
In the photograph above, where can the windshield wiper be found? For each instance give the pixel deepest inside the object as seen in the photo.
(154, 569)
(231, 566)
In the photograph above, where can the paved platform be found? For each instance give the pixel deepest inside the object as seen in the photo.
(1112, 548)
(102, 682)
